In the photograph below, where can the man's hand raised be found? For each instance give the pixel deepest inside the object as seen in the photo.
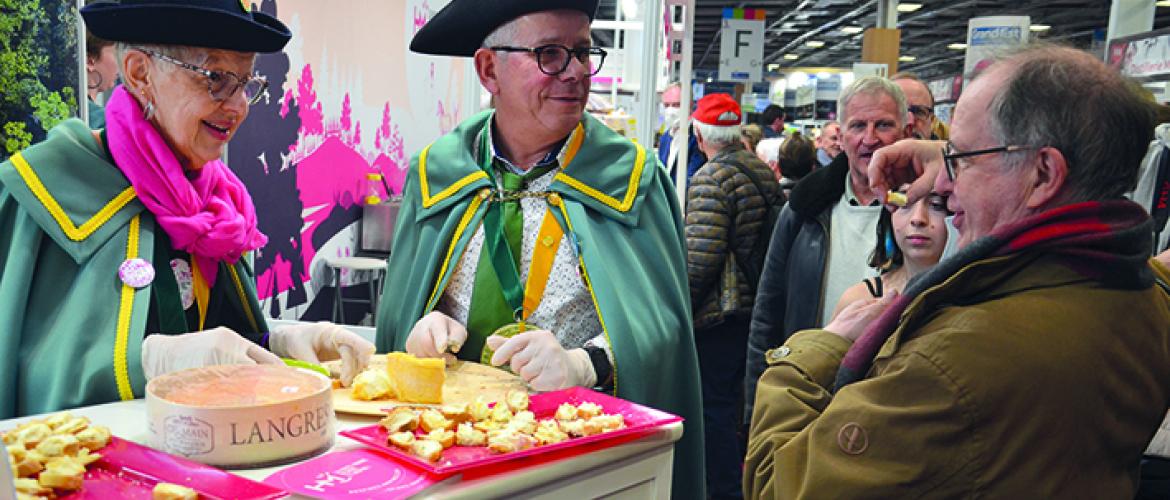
(909, 161)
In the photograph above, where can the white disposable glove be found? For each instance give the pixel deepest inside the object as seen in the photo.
(537, 356)
(435, 334)
(323, 341)
(163, 354)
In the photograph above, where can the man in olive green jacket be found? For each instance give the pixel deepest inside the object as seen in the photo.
(1034, 363)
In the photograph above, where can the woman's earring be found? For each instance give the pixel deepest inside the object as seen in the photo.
(100, 80)
(148, 113)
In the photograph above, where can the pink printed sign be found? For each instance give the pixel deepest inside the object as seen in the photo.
(129, 471)
(354, 474)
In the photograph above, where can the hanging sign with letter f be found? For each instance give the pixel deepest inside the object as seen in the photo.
(741, 48)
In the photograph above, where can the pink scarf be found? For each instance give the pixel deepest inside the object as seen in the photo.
(211, 216)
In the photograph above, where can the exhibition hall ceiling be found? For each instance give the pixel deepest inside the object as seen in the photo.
(925, 32)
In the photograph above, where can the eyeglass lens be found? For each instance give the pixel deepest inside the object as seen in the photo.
(553, 59)
(224, 85)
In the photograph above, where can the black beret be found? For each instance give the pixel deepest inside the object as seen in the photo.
(460, 28)
(219, 24)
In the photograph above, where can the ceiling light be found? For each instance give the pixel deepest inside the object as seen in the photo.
(816, 44)
(908, 7)
(957, 46)
(773, 67)
(906, 58)
(1041, 27)
(791, 57)
(853, 30)
(1162, 3)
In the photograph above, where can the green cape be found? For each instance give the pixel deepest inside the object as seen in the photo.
(72, 331)
(623, 212)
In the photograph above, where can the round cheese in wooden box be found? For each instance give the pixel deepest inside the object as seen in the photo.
(241, 416)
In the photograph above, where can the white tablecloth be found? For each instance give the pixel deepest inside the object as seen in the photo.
(636, 469)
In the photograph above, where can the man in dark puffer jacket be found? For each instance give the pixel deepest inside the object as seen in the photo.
(725, 215)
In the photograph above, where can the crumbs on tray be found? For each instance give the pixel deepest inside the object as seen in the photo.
(505, 427)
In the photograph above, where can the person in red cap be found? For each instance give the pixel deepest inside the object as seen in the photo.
(728, 202)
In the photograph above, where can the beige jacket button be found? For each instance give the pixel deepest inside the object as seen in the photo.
(775, 355)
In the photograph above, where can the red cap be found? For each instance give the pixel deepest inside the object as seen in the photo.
(718, 109)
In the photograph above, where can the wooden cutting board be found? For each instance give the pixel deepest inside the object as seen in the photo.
(465, 381)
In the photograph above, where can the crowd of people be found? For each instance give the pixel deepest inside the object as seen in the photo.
(1002, 331)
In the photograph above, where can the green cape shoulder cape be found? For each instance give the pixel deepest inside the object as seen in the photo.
(622, 210)
(72, 330)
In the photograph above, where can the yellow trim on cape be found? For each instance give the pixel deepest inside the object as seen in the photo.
(548, 240)
(247, 306)
(472, 208)
(593, 296)
(609, 201)
(74, 233)
(201, 290)
(125, 308)
(427, 200)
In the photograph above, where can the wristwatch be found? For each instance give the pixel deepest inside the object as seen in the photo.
(601, 366)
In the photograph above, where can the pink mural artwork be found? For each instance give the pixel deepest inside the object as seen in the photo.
(447, 120)
(331, 164)
(422, 14)
(309, 110)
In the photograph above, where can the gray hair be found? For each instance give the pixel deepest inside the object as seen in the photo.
(870, 85)
(505, 34)
(716, 135)
(769, 149)
(192, 55)
(1069, 100)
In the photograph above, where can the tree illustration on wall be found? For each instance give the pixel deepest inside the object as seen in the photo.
(38, 69)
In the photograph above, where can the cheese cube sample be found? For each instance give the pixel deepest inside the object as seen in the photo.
(370, 385)
(416, 380)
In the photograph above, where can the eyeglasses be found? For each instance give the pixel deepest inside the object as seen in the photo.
(950, 154)
(553, 59)
(923, 112)
(221, 85)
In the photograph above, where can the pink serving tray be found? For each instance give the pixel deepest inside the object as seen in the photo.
(639, 419)
(128, 470)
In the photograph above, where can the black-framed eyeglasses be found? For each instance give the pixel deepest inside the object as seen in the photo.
(950, 154)
(923, 112)
(221, 85)
(553, 58)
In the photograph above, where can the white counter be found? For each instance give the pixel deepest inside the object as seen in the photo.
(638, 469)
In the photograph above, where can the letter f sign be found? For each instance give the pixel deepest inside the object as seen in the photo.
(739, 42)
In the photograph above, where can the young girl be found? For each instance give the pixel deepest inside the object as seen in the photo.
(910, 240)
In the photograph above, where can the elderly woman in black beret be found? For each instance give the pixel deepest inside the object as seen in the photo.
(122, 250)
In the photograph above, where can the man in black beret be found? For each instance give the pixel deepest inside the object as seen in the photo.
(533, 237)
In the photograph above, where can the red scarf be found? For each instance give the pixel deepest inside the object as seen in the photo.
(1107, 241)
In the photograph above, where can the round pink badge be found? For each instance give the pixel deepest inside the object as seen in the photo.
(136, 273)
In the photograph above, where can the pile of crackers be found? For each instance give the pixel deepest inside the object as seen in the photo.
(503, 427)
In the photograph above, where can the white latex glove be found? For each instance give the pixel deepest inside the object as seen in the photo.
(435, 334)
(537, 356)
(163, 354)
(323, 341)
